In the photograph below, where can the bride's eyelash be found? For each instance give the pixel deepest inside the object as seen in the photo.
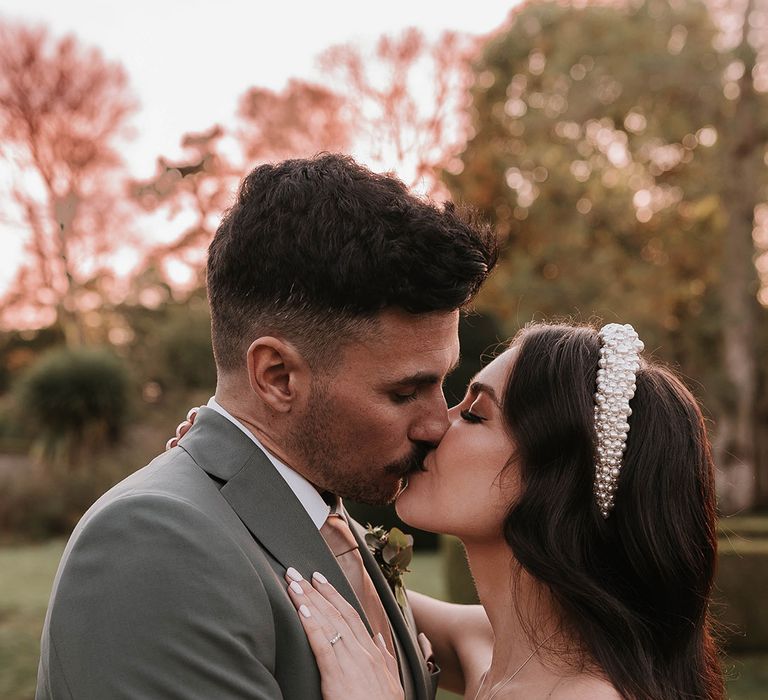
(471, 417)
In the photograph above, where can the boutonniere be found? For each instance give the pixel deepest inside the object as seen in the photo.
(393, 551)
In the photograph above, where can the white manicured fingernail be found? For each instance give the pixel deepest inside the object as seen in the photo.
(304, 610)
(319, 577)
(381, 639)
(293, 574)
(296, 588)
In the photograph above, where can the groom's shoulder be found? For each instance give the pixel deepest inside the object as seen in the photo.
(172, 473)
(170, 483)
(169, 505)
(148, 533)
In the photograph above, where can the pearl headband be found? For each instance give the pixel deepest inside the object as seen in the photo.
(619, 361)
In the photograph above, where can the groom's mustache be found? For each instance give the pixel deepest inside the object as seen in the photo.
(414, 462)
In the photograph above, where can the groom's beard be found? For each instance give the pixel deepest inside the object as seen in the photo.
(331, 464)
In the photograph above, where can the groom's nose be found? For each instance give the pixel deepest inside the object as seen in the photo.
(432, 424)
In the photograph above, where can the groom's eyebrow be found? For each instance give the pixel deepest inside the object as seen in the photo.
(476, 388)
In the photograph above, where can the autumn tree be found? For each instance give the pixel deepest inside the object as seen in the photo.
(63, 107)
(407, 98)
(605, 150)
(401, 105)
(298, 121)
(195, 188)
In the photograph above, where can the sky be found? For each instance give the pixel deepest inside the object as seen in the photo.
(189, 60)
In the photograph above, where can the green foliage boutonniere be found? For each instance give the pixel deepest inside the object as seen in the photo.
(393, 551)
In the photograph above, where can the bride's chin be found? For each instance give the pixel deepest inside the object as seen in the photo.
(402, 500)
(409, 506)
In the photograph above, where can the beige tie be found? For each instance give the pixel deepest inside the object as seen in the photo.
(342, 543)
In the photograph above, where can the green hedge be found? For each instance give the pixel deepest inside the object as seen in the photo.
(73, 401)
(458, 579)
(181, 352)
(741, 597)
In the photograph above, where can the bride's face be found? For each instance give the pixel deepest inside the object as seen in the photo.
(463, 491)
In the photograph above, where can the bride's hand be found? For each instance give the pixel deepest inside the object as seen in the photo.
(182, 428)
(353, 666)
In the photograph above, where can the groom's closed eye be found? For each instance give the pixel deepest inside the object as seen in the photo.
(406, 387)
(405, 396)
(409, 388)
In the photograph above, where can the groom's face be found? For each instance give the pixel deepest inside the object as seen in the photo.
(373, 419)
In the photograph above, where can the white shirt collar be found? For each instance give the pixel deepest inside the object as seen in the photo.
(308, 496)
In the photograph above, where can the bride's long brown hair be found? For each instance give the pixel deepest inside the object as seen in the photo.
(633, 589)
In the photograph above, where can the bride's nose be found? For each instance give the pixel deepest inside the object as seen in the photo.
(453, 413)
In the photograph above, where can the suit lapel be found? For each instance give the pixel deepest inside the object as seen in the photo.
(277, 520)
(405, 635)
(262, 499)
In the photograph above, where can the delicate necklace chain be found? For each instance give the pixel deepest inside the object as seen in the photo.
(499, 686)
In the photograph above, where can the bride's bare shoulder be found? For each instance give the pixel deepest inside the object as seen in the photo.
(584, 687)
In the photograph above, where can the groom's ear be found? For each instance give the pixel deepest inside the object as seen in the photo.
(278, 374)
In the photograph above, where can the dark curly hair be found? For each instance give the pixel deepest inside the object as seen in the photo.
(313, 248)
(634, 589)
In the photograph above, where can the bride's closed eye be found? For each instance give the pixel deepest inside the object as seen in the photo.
(471, 417)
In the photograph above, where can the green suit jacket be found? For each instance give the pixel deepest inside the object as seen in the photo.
(172, 584)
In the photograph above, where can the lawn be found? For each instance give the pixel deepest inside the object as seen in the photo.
(26, 574)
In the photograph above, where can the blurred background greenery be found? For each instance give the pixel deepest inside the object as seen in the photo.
(618, 148)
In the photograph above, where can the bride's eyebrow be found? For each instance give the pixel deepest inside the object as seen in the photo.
(476, 388)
